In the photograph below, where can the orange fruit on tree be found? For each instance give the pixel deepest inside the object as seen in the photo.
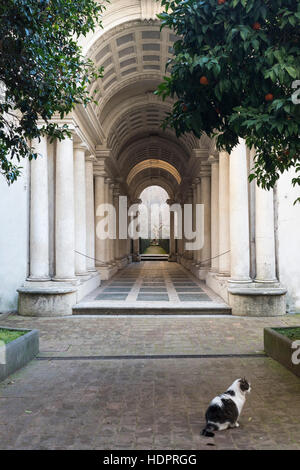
(204, 80)
(256, 26)
(184, 108)
(269, 97)
(221, 2)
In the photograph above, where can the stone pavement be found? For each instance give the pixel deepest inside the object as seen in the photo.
(66, 400)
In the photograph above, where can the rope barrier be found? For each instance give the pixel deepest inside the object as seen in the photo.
(214, 257)
(104, 264)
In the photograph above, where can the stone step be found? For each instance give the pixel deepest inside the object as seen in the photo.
(154, 257)
(116, 308)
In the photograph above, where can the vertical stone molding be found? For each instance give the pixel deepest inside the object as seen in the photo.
(39, 214)
(214, 213)
(205, 199)
(224, 217)
(239, 215)
(80, 209)
(90, 213)
(64, 216)
(264, 236)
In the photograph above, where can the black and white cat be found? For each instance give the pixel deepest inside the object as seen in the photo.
(224, 410)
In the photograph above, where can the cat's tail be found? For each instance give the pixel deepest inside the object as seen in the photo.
(208, 430)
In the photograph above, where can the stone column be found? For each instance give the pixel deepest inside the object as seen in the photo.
(188, 254)
(198, 200)
(64, 220)
(264, 237)
(136, 241)
(119, 245)
(39, 215)
(90, 214)
(224, 230)
(205, 199)
(80, 210)
(172, 248)
(182, 241)
(109, 185)
(214, 213)
(102, 254)
(194, 186)
(239, 215)
(128, 249)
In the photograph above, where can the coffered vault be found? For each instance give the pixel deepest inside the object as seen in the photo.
(134, 56)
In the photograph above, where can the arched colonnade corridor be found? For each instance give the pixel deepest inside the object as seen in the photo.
(118, 149)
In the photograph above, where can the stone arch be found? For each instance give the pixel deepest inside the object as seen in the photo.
(146, 182)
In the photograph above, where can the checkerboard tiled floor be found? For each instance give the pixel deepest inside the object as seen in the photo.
(154, 281)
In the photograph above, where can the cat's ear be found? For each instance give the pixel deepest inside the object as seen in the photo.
(244, 384)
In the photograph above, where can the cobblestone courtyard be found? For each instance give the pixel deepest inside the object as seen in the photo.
(70, 398)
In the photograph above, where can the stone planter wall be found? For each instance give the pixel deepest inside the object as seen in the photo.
(19, 352)
(279, 347)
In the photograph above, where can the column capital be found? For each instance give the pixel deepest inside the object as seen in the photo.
(199, 153)
(89, 157)
(102, 153)
(80, 146)
(116, 190)
(213, 158)
(170, 202)
(99, 168)
(108, 180)
(205, 173)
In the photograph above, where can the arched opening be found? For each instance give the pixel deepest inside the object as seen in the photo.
(155, 217)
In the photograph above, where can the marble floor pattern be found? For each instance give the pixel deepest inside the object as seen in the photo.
(151, 282)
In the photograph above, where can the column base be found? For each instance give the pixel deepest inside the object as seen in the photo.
(240, 282)
(172, 258)
(70, 280)
(122, 262)
(218, 283)
(39, 279)
(136, 258)
(92, 270)
(257, 302)
(46, 301)
(199, 271)
(54, 298)
(106, 272)
(266, 284)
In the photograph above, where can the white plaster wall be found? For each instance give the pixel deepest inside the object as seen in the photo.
(288, 238)
(13, 238)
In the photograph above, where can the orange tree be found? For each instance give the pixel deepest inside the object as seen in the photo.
(234, 74)
(42, 71)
